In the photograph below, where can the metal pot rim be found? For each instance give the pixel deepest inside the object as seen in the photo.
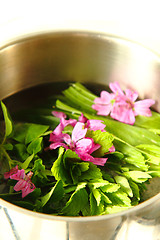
(127, 212)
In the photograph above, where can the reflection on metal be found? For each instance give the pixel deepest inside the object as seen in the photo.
(15, 234)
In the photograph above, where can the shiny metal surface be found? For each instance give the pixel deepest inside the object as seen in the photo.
(88, 58)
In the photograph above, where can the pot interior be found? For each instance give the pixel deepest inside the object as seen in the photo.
(36, 67)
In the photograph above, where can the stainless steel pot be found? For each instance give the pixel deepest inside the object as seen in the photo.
(89, 58)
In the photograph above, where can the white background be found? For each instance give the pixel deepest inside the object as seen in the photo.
(133, 19)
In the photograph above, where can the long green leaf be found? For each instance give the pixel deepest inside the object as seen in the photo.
(8, 121)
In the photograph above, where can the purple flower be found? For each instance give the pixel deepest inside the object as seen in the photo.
(24, 183)
(122, 106)
(80, 144)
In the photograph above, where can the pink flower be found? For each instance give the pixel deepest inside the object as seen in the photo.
(57, 135)
(59, 114)
(63, 120)
(92, 124)
(142, 107)
(24, 183)
(11, 172)
(104, 104)
(122, 106)
(112, 149)
(77, 142)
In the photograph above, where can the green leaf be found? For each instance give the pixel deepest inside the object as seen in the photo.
(35, 131)
(154, 173)
(40, 174)
(56, 193)
(156, 131)
(135, 189)
(119, 198)
(151, 123)
(115, 209)
(97, 195)
(105, 199)
(21, 151)
(92, 173)
(20, 131)
(78, 99)
(94, 208)
(131, 155)
(10, 197)
(24, 204)
(35, 146)
(97, 184)
(130, 134)
(58, 169)
(105, 139)
(107, 176)
(152, 149)
(26, 163)
(33, 196)
(110, 187)
(8, 146)
(65, 107)
(78, 201)
(76, 169)
(137, 176)
(79, 171)
(84, 91)
(123, 182)
(70, 155)
(8, 121)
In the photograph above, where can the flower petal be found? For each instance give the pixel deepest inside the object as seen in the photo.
(115, 87)
(11, 172)
(56, 138)
(20, 185)
(123, 114)
(57, 131)
(132, 96)
(67, 139)
(94, 147)
(56, 145)
(142, 107)
(105, 98)
(84, 145)
(59, 114)
(112, 149)
(70, 121)
(19, 175)
(78, 132)
(97, 161)
(95, 125)
(103, 110)
(29, 187)
(82, 118)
